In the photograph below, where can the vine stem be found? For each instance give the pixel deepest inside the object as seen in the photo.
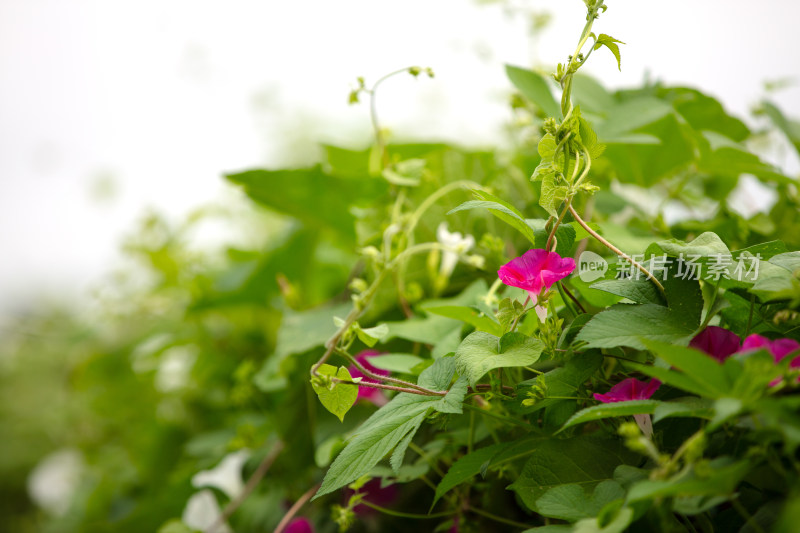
(500, 519)
(249, 487)
(373, 114)
(372, 375)
(616, 250)
(295, 508)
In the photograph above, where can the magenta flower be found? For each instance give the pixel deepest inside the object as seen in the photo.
(779, 348)
(629, 389)
(372, 395)
(633, 389)
(299, 525)
(717, 342)
(536, 270)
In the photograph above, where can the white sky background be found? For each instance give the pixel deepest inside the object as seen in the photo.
(164, 96)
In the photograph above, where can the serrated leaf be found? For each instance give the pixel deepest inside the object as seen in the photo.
(337, 398)
(610, 43)
(391, 424)
(481, 352)
(466, 468)
(579, 460)
(570, 502)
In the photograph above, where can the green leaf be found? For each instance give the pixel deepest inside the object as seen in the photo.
(175, 526)
(563, 381)
(400, 363)
(466, 468)
(631, 115)
(552, 195)
(627, 325)
(547, 146)
(370, 336)
(723, 477)
(535, 88)
(585, 461)
(481, 352)
(391, 424)
(790, 128)
(337, 398)
(405, 173)
(286, 191)
(610, 43)
(694, 363)
(469, 315)
(570, 502)
(566, 235)
(609, 410)
(684, 407)
(502, 210)
(641, 291)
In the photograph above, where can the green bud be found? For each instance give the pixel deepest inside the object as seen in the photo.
(629, 430)
(353, 98)
(476, 261)
(370, 252)
(550, 126)
(358, 285)
(343, 517)
(429, 72)
(414, 71)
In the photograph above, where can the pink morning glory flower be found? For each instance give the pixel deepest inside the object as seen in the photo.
(629, 389)
(633, 389)
(299, 525)
(779, 349)
(717, 342)
(369, 394)
(536, 270)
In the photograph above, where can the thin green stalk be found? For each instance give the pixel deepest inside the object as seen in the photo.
(401, 514)
(499, 519)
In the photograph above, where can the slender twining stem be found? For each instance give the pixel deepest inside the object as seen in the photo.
(401, 514)
(387, 387)
(614, 249)
(249, 487)
(556, 224)
(373, 113)
(372, 375)
(293, 510)
(499, 519)
(572, 297)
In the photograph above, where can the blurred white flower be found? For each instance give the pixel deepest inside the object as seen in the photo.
(173, 371)
(226, 476)
(454, 245)
(52, 484)
(202, 511)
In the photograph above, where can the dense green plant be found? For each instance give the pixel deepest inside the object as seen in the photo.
(439, 396)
